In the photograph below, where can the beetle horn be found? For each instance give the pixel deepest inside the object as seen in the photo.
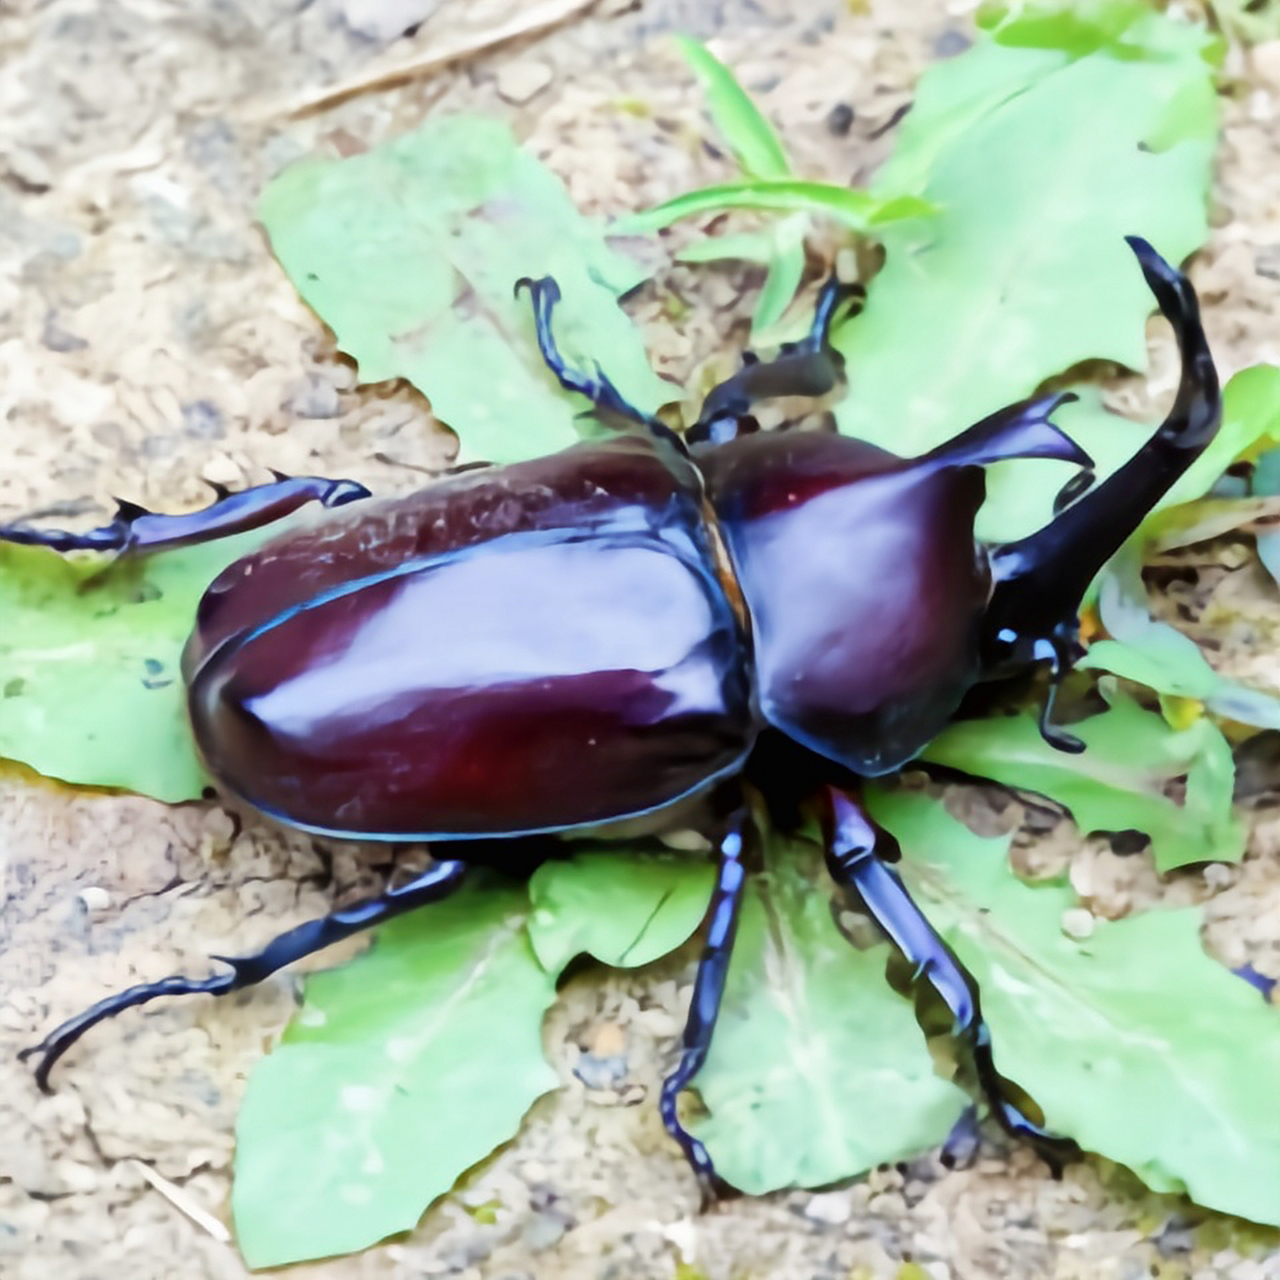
(1020, 431)
(1041, 579)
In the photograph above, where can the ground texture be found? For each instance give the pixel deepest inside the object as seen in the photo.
(150, 345)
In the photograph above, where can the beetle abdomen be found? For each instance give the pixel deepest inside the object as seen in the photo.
(540, 682)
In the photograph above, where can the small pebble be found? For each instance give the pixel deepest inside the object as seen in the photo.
(56, 338)
(831, 1207)
(314, 397)
(95, 898)
(1078, 923)
(202, 420)
(840, 119)
(1266, 61)
(1266, 261)
(221, 470)
(542, 1231)
(28, 169)
(517, 82)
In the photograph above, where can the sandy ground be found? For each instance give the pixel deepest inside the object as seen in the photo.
(148, 344)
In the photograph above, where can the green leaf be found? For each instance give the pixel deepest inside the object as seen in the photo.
(1250, 421)
(786, 269)
(735, 246)
(1024, 272)
(1133, 1041)
(818, 1070)
(750, 136)
(91, 648)
(409, 253)
(856, 210)
(624, 908)
(402, 1070)
(1118, 783)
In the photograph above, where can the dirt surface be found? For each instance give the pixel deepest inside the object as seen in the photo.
(149, 345)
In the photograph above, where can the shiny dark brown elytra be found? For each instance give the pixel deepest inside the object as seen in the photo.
(614, 637)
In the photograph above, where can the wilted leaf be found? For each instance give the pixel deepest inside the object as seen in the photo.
(1118, 783)
(818, 1070)
(409, 253)
(624, 908)
(1161, 657)
(402, 1070)
(1133, 1041)
(1251, 20)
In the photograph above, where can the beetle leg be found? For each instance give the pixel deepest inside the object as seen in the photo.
(135, 529)
(858, 853)
(810, 367)
(596, 385)
(708, 989)
(1041, 579)
(437, 882)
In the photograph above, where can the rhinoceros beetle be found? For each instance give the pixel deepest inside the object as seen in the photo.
(605, 640)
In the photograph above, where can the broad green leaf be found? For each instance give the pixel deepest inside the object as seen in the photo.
(1118, 783)
(1125, 28)
(91, 650)
(750, 136)
(409, 253)
(1024, 271)
(402, 1070)
(818, 1070)
(1206, 518)
(625, 908)
(1133, 1041)
(856, 210)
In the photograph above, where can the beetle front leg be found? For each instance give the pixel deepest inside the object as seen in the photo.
(708, 990)
(437, 882)
(134, 529)
(858, 853)
(810, 368)
(596, 385)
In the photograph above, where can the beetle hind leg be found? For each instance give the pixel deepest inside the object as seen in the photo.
(436, 882)
(135, 529)
(704, 1008)
(858, 854)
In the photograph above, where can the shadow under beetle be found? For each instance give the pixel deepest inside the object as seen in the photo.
(610, 639)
